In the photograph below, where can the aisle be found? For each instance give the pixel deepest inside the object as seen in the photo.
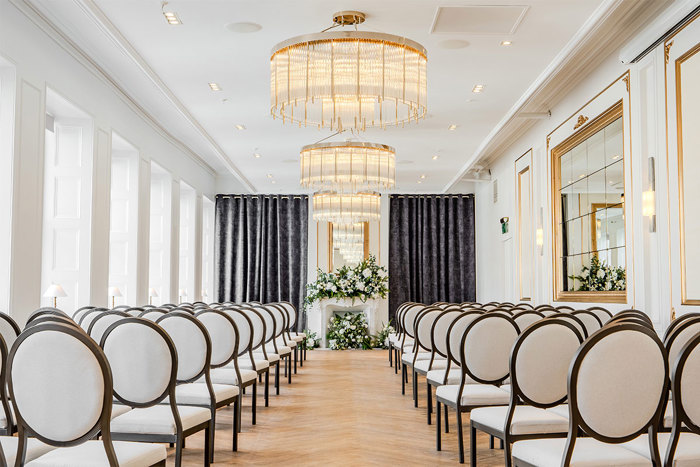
(343, 408)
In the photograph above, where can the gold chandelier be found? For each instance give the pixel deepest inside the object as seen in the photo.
(343, 208)
(348, 166)
(348, 79)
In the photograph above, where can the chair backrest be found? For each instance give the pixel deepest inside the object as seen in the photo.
(424, 327)
(192, 344)
(539, 363)
(223, 334)
(270, 324)
(291, 314)
(100, 324)
(485, 348)
(573, 320)
(631, 314)
(53, 319)
(152, 314)
(61, 387)
(4, 403)
(547, 312)
(680, 336)
(617, 385)
(525, 318)
(603, 314)
(409, 319)
(439, 331)
(685, 387)
(258, 326)
(564, 308)
(589, 319)
(88, 316)
(678, 321)
(524, 305)
(135, 310)
(45, 311)
(80, 311)
(455, 333)
(501, 310)
(9, 329)
(244, 327)
(143, 360)
(280, 318)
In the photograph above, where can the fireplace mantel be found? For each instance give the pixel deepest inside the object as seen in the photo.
(322, 311)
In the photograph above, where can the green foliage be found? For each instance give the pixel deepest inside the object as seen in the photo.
(310, 342)
(348, 331)
(600, 277)
(381, 340)
(365, 281)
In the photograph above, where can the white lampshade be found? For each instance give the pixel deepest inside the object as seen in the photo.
(115, 292)
(55, 290)
(152, 292)
(204, 293)
(183, 292)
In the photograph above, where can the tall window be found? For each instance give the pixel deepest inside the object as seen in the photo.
(188, 197)
(123, 220)
(207, 250)
(67, 202)
(589, 204)
(7, 105)
(161, 222)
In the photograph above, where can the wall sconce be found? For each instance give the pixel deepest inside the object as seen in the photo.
(649, 198)
(539, 234)
(504, 225)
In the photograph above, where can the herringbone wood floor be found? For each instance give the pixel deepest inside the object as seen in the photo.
(343, 408)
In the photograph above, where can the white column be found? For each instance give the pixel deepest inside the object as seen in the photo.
(99, 244)
(197, 292)
(143, 231)
(174, 240)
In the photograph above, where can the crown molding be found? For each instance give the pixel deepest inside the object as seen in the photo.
(66, 43)
(612, 22)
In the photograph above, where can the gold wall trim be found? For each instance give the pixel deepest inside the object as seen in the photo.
(681, 201)
(580, 121)
(520, 224)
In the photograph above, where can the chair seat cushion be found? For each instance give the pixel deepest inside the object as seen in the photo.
(298, 334)
(271, 356)
(561, 410)
(474, 394)
(588, 452)
(438, 363)
(281, 349)
(437, 377)
(296, 338)
(407, 357)
(245, 363)
(3, 416)
(198, 394)
(668, 415)
(92, 454)
(526, 420)
(226, 375)
(290, 343)
(119, 409)
(158, 419)
(35, 448)
(687, 452)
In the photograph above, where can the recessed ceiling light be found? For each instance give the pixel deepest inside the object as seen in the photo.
(452, 127)
(257, 155)
(478, 88)
(436, 157)
(269, 175)
(243, 27)
(506, 43)
(214, 87)
(240, 127)
(422, 176)
(172, 18)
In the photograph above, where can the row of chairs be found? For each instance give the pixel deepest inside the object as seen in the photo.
(142, 374)
(539, 379)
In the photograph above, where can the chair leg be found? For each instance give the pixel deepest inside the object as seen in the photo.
(460, 435)
(391, 360)
(296, 353)
(178, 452)
(234, 442)
(267, 385)
(506, 452)
(501, 444)
(207, 446)
(289, 373)
(277, 379)
(490, 441)
(447, 422)
(403, 380)
(283, 359)
(472, 446)
(414, 376)
(438, 433)
(210, 434)
(255, 402)
(396, 361)
(429, 396)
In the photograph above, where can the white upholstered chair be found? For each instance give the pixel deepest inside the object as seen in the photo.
(617, 388)
(61, 386)
(100, 324)
(145, 366)
(422, 348)
(539, 367)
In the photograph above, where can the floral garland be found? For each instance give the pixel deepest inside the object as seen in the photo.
(601, 277)
(365, 281)
(349, 331)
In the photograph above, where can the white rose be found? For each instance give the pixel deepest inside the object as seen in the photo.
(366, 272)
(600, 274)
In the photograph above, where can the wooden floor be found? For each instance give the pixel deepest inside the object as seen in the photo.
(343, 408)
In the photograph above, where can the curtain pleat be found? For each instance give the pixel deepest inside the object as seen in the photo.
(261, 248)
(432, 249)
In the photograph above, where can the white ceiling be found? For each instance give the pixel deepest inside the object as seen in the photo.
(165, 69)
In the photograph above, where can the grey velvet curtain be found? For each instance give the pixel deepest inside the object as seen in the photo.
(432, 250)
(261, 248)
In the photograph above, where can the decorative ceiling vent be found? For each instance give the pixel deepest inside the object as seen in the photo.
(478, 19)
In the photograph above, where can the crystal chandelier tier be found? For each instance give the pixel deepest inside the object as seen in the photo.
(348, 79)
(348, 167)
(346, 208)
(345, 234)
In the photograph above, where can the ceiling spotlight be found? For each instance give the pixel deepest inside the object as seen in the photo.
(214, 87)
(422, 176)
(240, 127)
(436, 157)
(257, 155)
(170, 16)
(478, 88)
(506, 43)
(452, 127)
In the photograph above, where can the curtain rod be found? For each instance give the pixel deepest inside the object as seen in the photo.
(264, 196)
(469, 195)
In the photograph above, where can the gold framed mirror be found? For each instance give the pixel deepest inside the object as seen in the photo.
(348, 244)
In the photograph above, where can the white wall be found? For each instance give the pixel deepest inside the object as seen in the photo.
(42, 61)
